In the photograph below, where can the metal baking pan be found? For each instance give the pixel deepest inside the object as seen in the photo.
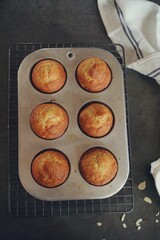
(74, 142)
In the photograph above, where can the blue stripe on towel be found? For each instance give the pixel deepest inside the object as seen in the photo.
(128, 32)
(154, 72)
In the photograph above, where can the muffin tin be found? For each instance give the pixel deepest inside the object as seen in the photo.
(74, 142)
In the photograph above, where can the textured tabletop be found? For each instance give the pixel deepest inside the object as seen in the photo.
(69, 21)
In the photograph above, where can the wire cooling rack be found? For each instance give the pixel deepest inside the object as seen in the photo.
(19, 201)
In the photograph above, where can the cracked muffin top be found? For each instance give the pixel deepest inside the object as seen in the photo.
(95, 119)
(50, 168)
(98, 166)
(49, 120)
(93, 74)
(48, 76)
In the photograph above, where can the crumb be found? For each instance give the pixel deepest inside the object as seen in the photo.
(148, 200)
(139, 221)
(123, 217)
(99, 224)
(142, 185)
(124, 225)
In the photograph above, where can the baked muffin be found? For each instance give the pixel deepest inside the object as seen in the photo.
(95, 119)
(49, 120)
(93, 74)
(50, 168)
(98, 166)
(48, 76)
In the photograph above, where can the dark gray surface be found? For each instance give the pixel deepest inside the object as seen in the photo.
(79, 21)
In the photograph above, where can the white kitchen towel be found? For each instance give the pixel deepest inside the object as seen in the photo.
(135, 24)
(155, 171)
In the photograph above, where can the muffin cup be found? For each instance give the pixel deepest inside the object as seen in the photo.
(49, 131)
(60, 172)
(51, 86)
(88, 132)
(97, 171)
(96, 85)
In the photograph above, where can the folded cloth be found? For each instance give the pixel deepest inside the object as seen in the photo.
(155, 171)
(135, 24)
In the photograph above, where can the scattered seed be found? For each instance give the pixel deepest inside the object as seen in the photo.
(138, 228)
(157, 214)
(123, 217)
(157, 220)
(142, 185)
(148, 200)
(99, 224)
(124, 225)
(139, 221)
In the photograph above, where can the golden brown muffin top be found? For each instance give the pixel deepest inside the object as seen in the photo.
(96, 119)
(49, 120)
(50, 168)
(98, 166)
(93, 74)
(48, 76)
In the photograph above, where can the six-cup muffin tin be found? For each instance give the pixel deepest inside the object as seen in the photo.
(74, 142)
